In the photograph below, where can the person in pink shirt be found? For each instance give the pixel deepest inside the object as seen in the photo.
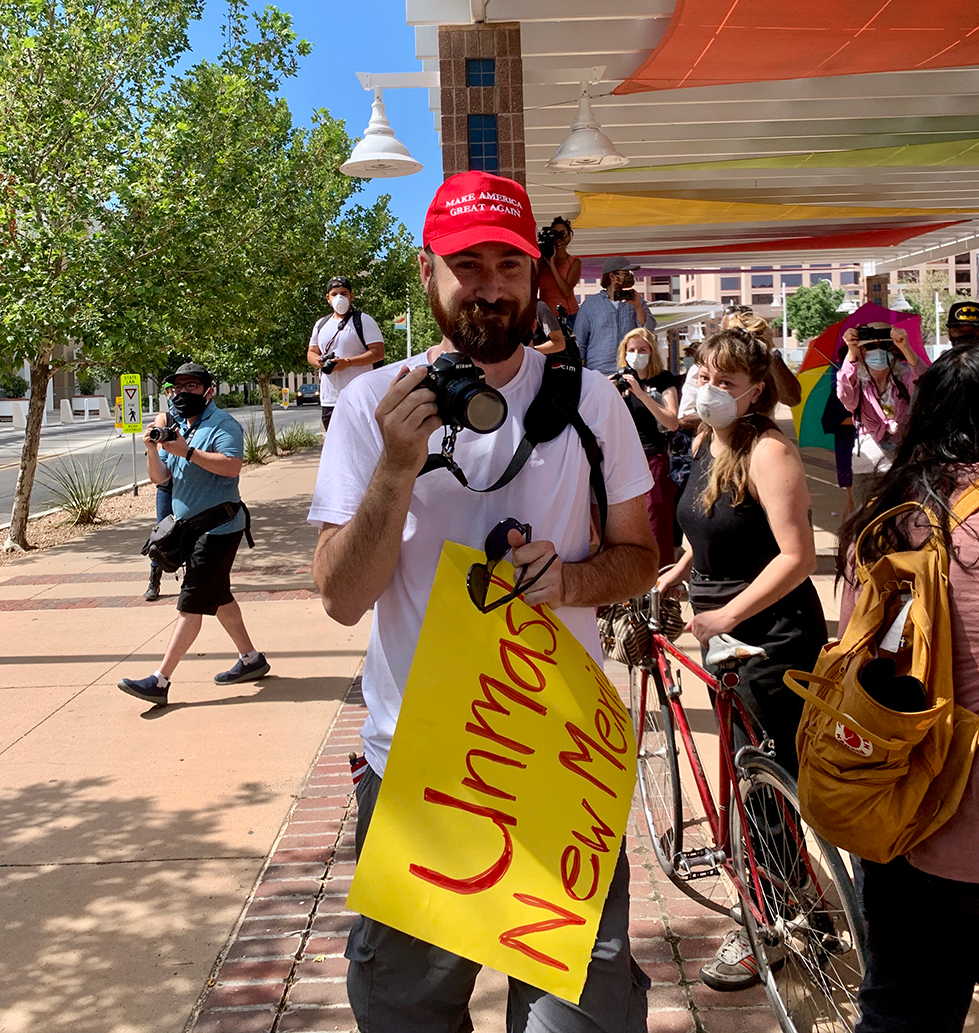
(922, 910)
(875, 383)
(560, 272)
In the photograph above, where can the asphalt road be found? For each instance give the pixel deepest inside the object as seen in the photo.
(99, 440)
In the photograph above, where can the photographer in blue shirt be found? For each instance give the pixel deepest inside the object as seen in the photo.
(605, 318)
(203, 458)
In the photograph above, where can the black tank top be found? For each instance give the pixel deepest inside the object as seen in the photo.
(730, 543)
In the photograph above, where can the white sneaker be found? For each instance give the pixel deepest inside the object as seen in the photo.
(733, 967)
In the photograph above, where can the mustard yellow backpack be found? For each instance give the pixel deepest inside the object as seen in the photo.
(872, 780)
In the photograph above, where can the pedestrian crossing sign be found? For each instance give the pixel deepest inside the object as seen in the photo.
(132, 404)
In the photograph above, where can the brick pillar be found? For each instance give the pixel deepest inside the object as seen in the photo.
(497, 47)
(876, 288)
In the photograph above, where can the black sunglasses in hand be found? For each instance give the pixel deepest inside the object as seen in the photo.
(496, 548)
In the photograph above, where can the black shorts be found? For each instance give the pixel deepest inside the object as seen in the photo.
(207, 581)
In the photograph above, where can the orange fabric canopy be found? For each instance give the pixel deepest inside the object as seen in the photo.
(710, 42)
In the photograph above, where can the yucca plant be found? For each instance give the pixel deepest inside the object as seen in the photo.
(256, 444)
(80, 486)
(297, 437)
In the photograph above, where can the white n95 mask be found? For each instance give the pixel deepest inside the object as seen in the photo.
(716, 407)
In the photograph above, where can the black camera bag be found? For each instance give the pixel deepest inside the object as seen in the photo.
(172, 541)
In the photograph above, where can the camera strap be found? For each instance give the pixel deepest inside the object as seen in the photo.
(554, 408)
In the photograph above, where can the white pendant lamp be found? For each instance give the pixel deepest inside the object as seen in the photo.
(901, 303)
(380, 155)
(586, 146)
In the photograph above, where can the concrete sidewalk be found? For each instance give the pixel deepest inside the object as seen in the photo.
(187, 868)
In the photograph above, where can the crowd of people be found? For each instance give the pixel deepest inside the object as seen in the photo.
(698, 453)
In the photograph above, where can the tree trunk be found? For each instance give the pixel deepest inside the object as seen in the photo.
(264, 387)
(40, 375)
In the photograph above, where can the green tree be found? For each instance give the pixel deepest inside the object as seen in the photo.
(78, 86)
(921, 297)
(811, 310)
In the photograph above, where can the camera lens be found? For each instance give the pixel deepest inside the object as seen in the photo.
(476, 406)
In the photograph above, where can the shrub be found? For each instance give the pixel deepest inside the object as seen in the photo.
(230, 400)
(87, 384)
(13, 386)
(80, 486)
(297, 437)
(256, 444)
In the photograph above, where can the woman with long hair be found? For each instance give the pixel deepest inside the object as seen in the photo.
(936, 886)
(746, 513)
(560, 273)
(653, 401)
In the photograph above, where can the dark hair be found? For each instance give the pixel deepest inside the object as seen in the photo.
(560, 220)
(940, 439)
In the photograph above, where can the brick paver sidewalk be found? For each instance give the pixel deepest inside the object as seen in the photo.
(284, 971)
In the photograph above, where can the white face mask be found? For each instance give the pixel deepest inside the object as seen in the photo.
(637, 360)
(716, 407)
(340, 303)
(877, 358)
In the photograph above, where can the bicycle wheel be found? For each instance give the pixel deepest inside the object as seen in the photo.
(811, 951)
(659, 776)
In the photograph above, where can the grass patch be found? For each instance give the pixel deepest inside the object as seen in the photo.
(297, 437)
(80, 486)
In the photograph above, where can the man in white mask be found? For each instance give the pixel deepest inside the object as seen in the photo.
(343, 345)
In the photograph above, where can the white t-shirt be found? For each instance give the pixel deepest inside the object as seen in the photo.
(688, 397)
(551, 493)
(345, 345)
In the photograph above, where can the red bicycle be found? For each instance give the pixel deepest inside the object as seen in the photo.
(748, 853)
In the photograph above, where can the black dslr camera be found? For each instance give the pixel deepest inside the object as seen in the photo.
(462, 395)
(546, 241)
(618, 378)
(874, 333)
(329, 363)
(167, 433)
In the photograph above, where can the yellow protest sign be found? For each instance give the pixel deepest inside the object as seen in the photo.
(506, 793)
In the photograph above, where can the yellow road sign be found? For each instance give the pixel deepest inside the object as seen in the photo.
(285, 398)
(132, 404)
(119, 412)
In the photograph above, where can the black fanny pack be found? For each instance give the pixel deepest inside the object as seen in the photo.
(707, 593)
(172, 541)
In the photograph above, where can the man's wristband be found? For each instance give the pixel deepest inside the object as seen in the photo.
(190, 453)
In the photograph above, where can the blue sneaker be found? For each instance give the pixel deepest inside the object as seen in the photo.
(241, 671)
(145, 688)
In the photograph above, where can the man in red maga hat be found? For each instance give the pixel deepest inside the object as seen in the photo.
(383, 527)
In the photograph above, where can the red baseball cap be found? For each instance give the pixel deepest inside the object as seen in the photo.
(479, 208)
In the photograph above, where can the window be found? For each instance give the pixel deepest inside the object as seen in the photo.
(963, 276)
(962, 259)
(762, 299)
(730, 299)
(480, 71)
(815, 278)
(964, 291)
(791, 279)
(762, 280)
(907, 276)
(812, 265)
(730, 283)
(483, 150)
(849, 277)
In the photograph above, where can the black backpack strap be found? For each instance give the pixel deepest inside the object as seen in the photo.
(248, 527)
(357, 317)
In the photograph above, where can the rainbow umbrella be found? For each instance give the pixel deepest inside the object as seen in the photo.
(824, 355)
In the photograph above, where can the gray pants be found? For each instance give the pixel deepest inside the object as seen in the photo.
(400, 984)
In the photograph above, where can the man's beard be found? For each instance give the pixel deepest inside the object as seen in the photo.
(486, 332)
(966, 335)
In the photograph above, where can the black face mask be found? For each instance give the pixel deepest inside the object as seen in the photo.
(188, 405)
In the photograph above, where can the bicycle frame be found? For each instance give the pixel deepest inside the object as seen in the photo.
(725, 703)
